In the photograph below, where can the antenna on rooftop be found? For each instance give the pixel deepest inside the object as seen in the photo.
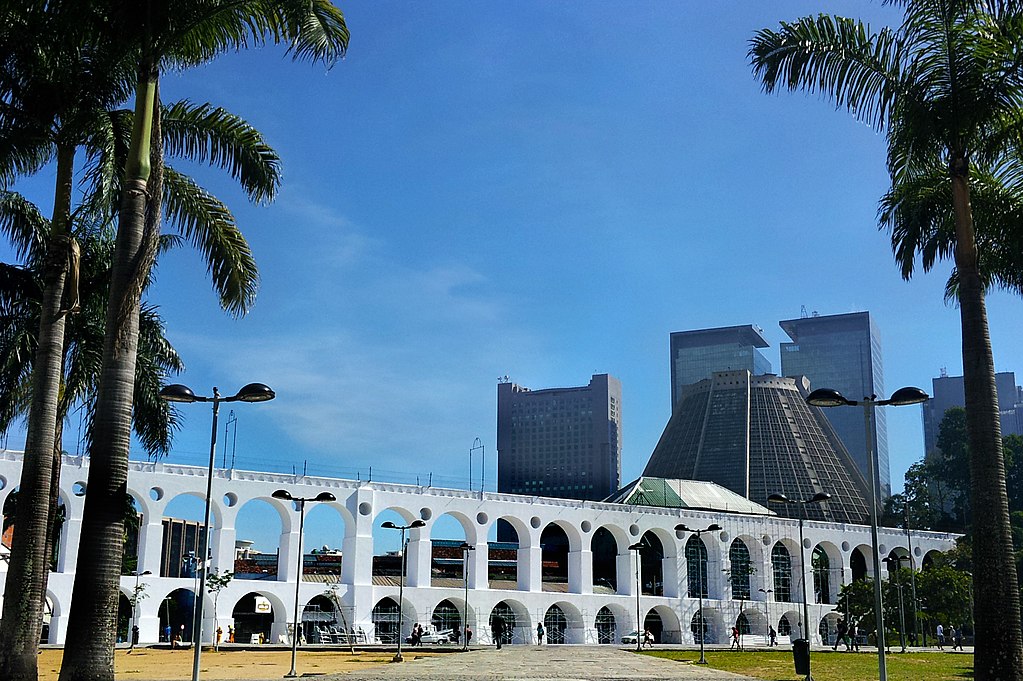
(944, 372)
(802, 312)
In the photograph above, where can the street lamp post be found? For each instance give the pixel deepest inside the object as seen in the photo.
(815, 499)
(827, 397)
(253, 392)
(135, 607)
(902, 613)
(640, 631)
(681, 527)
(300, 501)
(767, 608)
(401, 581)
(466, 548)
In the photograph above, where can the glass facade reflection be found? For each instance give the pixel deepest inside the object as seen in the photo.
(696, 355)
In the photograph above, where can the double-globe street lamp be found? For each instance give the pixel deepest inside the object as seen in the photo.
(828, 397)
(640, 630)
(466, 548)
(767, 609)
(902, 609)
(415, 524)
(300, 504)
(815, 499)
(253, 392)
(681, 527)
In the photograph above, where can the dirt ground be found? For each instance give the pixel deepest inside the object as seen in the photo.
(226, 665)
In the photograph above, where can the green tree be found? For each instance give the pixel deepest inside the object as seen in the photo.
(944, 594)
(946, 89)
(181, 32)
(215, 583)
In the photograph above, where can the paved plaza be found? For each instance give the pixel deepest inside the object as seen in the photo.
(536, 663)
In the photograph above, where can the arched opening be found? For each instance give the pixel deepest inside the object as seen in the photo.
(743, 625)
(323, 539)
(821, 575)
(182, 527)
(385, 621)
(123, 617)
(828, 629)
(132, 527)
(700, 628)
(858, 565)
(503, 556)
(740, 569)
(651, 560)
(10, 517)
(448, 566)
(785, 626)
(253, 618)
(781, 566)
(176, 614)
(319, 620)
(259, 528)
(653, 623)
(606, 626)
(696, 567)
(504, 611)
(447, 619)
(554, 557)
(604, 549)
(555, 623)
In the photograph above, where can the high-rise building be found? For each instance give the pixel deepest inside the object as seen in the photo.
(843, 352)
(560, 442)
(947, 392)
(756, 436)
(697, 354)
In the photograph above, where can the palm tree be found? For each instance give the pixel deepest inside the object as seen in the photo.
(199, 133)
(48, 90)
(183, 32)
(947, 90)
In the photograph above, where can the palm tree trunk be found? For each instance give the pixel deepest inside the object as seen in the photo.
(25, 590)
(998, 652)
(89, 654)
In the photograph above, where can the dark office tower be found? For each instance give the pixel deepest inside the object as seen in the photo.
(560, 442)
(696, 355)
(843, 352)
(756, 436)
(947, 392)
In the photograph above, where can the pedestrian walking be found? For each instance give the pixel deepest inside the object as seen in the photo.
(468, 635)
(940, 631)
(843, 629)
(539, 633)
(167, 632)
(772, 635)
(854, 636)
(735, 637)
(497, 629)
(134, 636)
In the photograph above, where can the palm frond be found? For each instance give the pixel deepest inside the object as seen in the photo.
(207, 134)
(23, 224)
(210, 227)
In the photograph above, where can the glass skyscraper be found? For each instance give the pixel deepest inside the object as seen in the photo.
(843, 352)
(696, 355)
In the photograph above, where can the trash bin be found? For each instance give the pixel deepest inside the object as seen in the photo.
(801, 655)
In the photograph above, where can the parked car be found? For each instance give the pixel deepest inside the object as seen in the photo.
(630, 638)
(433, 637)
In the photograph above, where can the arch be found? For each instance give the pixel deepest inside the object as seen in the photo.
(712, 629)
(781, 570)
(555, 544)
(518, 628)
(385, 621)
(266, 556)
(470, 533)
(448, 561)
(319, 616)
(508, 558)
(664, 617)
(176, 614)
(788, 624)
(824, 583)
(827, 629)
(696, 567)
(570, 620)
(9, 525)
(756, 621)
(740, 569)
(606, 544)
(259, 614)
(651, 561)
(930, 559)
(858, 564)
(123, 617)
(446, 617)
(606, 626)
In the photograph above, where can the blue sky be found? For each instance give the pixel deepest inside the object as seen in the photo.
(539, 190)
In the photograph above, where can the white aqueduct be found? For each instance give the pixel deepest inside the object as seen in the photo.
(586, 614)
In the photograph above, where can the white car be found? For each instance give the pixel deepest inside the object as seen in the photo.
(432, 637)
(630, 638)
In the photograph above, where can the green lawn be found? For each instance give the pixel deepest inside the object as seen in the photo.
(777, 665)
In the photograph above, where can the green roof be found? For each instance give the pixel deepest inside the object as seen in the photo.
(695, 494)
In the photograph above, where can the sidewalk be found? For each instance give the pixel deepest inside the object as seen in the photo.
(536, 663)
